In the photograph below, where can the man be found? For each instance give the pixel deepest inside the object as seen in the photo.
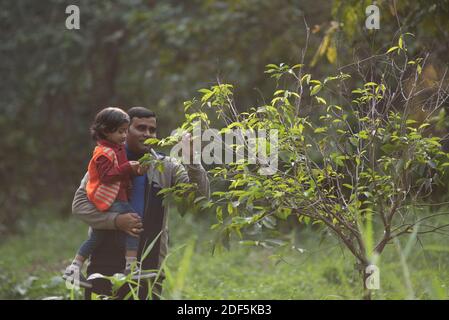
(108, 258)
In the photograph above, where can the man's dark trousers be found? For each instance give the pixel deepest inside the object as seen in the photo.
(109, 257)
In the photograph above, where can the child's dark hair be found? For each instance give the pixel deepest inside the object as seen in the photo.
(108, 120)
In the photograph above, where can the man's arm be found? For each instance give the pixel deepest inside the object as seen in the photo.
(83, 209)
(192, 173)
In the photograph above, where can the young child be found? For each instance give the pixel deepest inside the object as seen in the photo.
(109, 181)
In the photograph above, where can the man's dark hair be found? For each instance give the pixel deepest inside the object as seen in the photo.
(140, 112)
(106, 121)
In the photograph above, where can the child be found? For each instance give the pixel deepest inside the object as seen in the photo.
(109, 180)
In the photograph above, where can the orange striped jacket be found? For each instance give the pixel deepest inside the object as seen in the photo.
(101, 194)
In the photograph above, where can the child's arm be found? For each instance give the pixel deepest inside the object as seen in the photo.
(108, 173)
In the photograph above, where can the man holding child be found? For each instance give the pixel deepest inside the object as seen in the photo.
(149, 219)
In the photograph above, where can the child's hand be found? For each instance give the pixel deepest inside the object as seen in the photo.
(142, 169)
(138, 169)
(135, 166)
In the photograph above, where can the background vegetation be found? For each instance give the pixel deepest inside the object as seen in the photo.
(322, 271)
(158, 54)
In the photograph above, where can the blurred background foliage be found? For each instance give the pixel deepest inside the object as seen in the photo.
(157, 54)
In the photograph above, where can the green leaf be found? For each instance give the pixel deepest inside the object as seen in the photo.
(283, 213)
(160, 166)
(392, 49)
(306, 77)
(320, 100)
(320, 130)
(419, 69)
(219, 214)
(273, 66)
(306, 220)
(363, 134)
(424, 125)
(230, 208)
(199, 199)
(152, 141)
(278, 92)
(315, 89)
(236, 124)
(297, 66)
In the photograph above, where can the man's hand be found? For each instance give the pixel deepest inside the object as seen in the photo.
(129, 223)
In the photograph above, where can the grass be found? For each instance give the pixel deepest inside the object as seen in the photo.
(323, 271)
(31, 264)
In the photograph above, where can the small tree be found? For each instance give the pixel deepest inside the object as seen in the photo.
(354, 161)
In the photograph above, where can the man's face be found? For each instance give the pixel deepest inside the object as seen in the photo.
(140, 130)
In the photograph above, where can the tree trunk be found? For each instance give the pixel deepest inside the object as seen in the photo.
(365, 274)
(366, 291)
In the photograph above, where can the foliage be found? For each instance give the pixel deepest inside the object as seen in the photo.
(356, 164)
(126, 53)
(320, 272)
(157, 54)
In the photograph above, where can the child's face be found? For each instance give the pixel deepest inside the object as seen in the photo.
(119, 135)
